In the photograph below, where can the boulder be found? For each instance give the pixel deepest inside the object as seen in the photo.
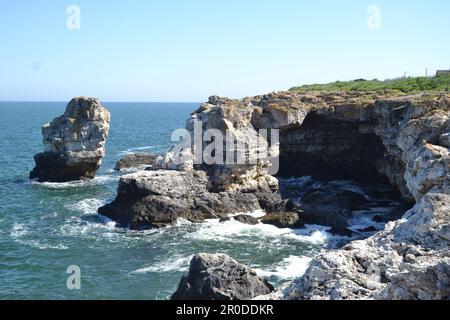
(329, 206)
(139, 160)
(74, 143)
(154, 199)
(246, 219)
(219, 277)
(283, 220)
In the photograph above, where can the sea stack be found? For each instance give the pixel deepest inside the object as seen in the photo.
(74, 143)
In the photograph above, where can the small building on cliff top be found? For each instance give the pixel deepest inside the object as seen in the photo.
(442, 73)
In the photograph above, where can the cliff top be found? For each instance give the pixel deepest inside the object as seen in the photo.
(394, 87)
(288, 100)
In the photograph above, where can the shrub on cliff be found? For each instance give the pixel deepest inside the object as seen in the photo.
(401, 85)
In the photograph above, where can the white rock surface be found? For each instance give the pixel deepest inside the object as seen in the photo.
(74, 143)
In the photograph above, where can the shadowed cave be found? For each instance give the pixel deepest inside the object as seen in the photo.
(330, 169)
(330, 149)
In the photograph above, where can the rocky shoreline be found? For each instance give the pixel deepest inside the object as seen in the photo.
(361, 136)
(402, 142)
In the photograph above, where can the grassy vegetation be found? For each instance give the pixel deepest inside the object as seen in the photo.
(403, 85)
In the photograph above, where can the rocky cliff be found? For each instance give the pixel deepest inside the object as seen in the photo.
(366, 137)
(74, 142)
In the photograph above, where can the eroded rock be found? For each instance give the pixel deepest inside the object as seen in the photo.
(283, 220)
(402, 140)
(246, 219)
(74, 143)
(138, 160)
(408, 260)
(153, 199)
(219, 277)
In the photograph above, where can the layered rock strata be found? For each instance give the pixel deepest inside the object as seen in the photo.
(74, 143)
(402, 140)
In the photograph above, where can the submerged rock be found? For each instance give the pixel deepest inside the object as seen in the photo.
(219, 277)
(139, 160)
(74, 143)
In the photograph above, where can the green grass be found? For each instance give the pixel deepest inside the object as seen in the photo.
(403, 85)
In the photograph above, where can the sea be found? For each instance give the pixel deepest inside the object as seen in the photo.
(48, 228)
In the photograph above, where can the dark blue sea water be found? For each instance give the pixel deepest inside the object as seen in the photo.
(45, 228)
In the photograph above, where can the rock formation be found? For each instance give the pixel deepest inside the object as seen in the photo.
(284, 220)
(140, 160)
(218, 277)
(74, 143)
(410, 259)
(153, 199)
(367, 137)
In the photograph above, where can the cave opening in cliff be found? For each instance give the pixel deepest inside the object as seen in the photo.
(331, 170)
(330, 149)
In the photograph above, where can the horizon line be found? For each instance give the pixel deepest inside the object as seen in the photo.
(102, 101)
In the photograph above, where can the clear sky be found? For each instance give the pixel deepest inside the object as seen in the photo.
(187, 50)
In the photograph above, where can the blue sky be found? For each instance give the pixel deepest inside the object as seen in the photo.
(187, 50)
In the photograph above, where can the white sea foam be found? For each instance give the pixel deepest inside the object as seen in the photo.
(144, 148)
(183, 222)
(176, 263)
(363, 220)
(288, 269)
(18, 230)
(255, 214)
(74, 226)
(87, 206)
(42, 246)
(19, 233)
(233, 231)
(49, 216)
(99, 180)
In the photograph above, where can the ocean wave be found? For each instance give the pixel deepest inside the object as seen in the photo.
(144, 148)
(99, 180)
(19, 232)
(87, 206)
(183, 222)
(42, 246)
(234, 231)
(75, 227)
(174, 264)
(255, 214)
(288, 269)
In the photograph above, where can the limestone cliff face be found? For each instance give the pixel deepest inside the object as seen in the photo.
(339, 135)
(360, 136)
(74, 142)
